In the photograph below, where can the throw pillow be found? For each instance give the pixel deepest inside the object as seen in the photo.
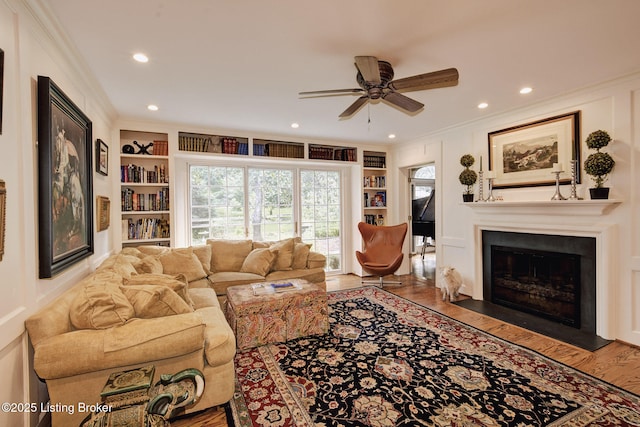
(100, 305)
(177, 283)
(228, 255)
(300, 255)
(151, 301)
(150, 264)
(185, 262)
(121, 263)
(259, 261)
(285, 254)
(203, 253)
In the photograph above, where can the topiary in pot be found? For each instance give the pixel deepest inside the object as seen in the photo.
(598, 165)
(468, 177)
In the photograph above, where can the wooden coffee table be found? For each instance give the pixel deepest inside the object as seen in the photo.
(260, 317)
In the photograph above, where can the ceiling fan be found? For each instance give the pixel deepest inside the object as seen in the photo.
(375, 80)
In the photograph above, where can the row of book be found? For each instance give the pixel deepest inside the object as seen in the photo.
(331, 153)
(132, 201)
(375, 181)
(160, 148)
(140, 174)
(232, 146)
(145, 228)
(194, 143)
(374, 219)
(290, 151)
(377, 200)
(374, 161)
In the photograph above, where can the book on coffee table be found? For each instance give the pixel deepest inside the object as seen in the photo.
(270, 288)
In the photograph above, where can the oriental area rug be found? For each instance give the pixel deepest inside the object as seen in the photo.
(387, 361)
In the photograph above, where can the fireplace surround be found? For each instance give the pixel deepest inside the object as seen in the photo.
(550, 276)
(568, 218)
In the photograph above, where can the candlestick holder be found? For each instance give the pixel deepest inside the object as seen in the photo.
(574, 173)
(490, 197)
(558, 196)
(480, 187)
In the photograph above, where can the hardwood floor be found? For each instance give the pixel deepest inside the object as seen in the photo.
(617, 363)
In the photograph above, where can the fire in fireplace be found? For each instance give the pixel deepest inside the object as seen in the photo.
(548, 276)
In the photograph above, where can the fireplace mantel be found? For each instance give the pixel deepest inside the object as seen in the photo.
(544, 207)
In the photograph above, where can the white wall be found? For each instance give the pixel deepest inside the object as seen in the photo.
(29, 52)
(614, 107)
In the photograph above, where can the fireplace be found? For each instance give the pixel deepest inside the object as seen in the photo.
(552, 277)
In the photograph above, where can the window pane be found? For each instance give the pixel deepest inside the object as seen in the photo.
(215, 193)
(271, 204)
(320, 214)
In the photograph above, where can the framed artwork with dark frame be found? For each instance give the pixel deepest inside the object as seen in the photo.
(65, 194)
(102, 157)
(524, 155)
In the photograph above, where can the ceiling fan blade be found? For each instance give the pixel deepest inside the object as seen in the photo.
(368, 67)
(354, 107)
(402, 101)
(436, 79)
(331, 91)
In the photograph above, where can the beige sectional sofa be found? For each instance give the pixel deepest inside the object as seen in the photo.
(151, 305)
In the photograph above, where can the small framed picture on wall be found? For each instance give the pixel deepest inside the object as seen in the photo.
(102, 157)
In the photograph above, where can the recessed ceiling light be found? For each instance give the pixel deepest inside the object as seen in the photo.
(392, 135)
(152, 107)
(141, 57)
(483, 105)
(295, 125)
(526, 90)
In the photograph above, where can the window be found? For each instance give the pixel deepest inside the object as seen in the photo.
(268, 204)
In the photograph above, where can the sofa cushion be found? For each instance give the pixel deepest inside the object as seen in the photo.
(259, 261)
(183, 261)
(203, 298)
(285, 254)
(99, 304)
(151, 301)
(177, 283)
(316, 260)
(300, 255)
(221, 281)
(228, 255)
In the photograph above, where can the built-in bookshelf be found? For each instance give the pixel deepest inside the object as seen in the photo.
(144, 188)
(204, 143)
(269, 148)
(374, 187)
(330, 152)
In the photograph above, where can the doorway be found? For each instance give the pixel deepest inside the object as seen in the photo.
(422, 184)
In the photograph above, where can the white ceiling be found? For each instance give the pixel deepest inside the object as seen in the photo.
(239, 64)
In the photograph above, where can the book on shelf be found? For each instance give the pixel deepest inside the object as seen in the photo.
(160, 148)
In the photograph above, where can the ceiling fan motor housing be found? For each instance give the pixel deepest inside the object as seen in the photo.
(375, 90)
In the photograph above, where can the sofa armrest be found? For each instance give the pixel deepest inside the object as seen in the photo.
(316, 260)
(137, 341)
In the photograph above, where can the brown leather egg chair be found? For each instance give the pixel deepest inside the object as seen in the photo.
(382, 249)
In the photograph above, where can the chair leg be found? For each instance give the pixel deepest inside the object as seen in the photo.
(381, 282)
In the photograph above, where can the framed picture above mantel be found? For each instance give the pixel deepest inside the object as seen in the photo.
(527, 155)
